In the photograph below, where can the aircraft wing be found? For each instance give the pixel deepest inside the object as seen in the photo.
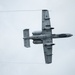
(47, 50)
(46, 30)
(46, 26)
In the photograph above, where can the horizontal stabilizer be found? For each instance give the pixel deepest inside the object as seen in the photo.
(26, 38)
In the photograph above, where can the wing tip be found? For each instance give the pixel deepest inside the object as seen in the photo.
(48, 62)
(44, 10)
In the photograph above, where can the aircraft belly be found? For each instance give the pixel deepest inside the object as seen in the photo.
(40, 37)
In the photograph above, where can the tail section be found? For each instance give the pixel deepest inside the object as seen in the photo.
(26, 38)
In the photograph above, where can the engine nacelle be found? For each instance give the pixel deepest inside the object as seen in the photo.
(37, 41)
(37, 33)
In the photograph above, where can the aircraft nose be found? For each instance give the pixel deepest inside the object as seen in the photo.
(70, 34)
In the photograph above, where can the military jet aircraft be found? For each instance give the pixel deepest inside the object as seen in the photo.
(44, 37)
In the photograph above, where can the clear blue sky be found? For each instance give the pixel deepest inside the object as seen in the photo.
(15, 59)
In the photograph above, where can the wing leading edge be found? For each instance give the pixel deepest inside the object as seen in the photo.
(46, 30)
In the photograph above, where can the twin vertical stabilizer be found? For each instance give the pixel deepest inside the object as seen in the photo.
(26, 38)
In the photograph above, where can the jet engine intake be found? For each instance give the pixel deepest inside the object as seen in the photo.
(37, 33)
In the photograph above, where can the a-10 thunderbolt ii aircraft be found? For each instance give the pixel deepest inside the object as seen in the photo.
(44, 37)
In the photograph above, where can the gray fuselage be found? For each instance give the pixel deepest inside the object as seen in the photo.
(39, 36)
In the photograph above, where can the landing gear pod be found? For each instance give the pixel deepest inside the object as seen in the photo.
(51, 28)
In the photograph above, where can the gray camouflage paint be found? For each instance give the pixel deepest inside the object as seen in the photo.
(15, 59)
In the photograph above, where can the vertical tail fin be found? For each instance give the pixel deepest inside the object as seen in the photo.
(26, 38)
